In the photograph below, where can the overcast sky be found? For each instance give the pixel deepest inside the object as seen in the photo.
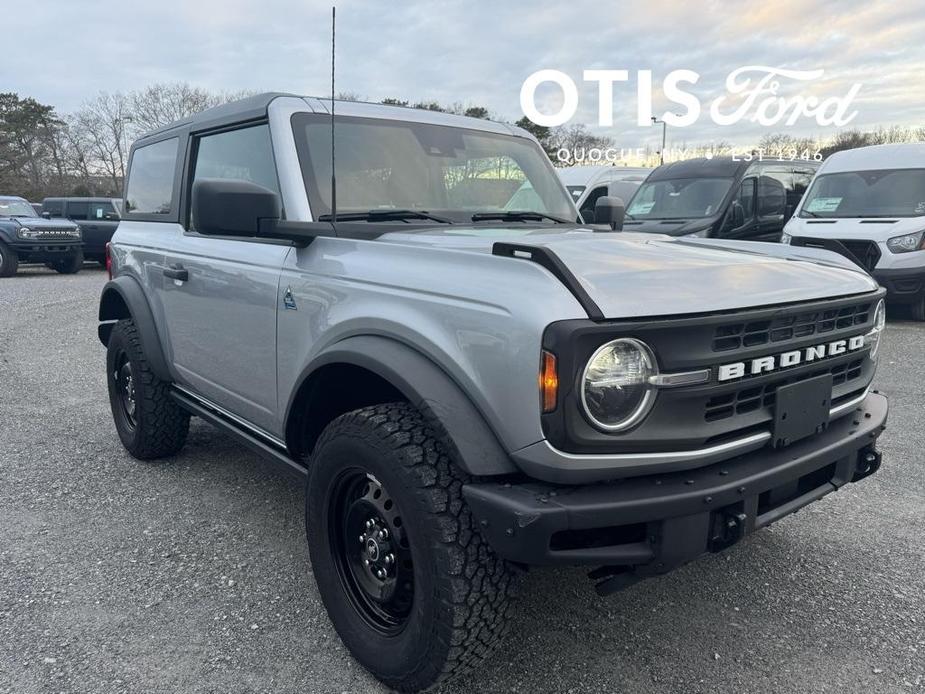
(475, 52)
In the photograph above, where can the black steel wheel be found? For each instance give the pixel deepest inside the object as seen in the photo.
(373, 552)
(412, 588)
(148, 420)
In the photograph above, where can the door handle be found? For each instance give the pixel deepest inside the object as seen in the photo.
(176, 272)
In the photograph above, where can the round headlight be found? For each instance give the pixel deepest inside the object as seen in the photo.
(873, 337)
(616, 387)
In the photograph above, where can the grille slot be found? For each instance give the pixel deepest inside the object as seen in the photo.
(749, 399)
(733, 336)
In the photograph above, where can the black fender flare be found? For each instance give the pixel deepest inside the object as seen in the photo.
(473, 443)
(123, 297)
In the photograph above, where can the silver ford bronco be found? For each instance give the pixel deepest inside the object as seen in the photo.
(469, 380)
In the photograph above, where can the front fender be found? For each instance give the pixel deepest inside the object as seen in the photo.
(123, 297)
(429, 388)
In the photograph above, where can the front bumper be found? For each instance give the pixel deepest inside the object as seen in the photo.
(45, 251)
(649, 525)
(903, 286)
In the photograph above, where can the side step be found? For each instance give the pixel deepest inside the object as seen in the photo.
(270, 452)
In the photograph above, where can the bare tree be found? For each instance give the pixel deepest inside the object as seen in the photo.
(161, 104)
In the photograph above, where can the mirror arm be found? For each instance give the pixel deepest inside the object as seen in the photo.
(300, 233)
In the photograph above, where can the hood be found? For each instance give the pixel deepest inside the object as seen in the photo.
(41, 223)
(672, 227)
(638, 275)
(869, 229)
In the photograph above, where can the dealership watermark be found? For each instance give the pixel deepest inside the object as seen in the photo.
(583, 156)
(752, 94)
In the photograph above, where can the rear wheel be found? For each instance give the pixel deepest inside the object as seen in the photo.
(413, 590)
(149, 422)
(9, 261)
(69, 265)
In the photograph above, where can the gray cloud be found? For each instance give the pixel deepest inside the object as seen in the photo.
(473, 51)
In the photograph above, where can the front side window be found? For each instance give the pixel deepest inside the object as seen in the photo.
(54, 208)
(880, 193)
(102, 211)
(78, 209)
(680, 198)
(454, 172)
(772, 196)
(151, 177)
(245, 154)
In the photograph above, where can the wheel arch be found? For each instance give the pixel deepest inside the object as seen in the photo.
(123, 298)
(354, 371)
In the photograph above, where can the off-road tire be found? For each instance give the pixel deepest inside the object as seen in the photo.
(159, 425)
(461, 588)
(917, 309)
(70, 265)
(9, 261)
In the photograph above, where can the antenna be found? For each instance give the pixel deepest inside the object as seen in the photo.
(333, 177)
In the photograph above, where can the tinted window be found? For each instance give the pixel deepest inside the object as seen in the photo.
(150, 179)
(103, 211)
(53, 207)
(746, 197)
(78, 209)
(772, 196)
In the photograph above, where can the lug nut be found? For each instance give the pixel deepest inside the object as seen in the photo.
(369, 523)
(366, 562)
(380, 573)
(383, 534)
(389, 558)
(362, 539)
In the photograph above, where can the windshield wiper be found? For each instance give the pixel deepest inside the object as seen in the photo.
(515, 216)
(386, 215)
(811, 214)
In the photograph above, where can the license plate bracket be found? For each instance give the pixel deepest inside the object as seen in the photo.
(802, 409)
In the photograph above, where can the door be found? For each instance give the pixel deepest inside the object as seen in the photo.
(774, 187)
(745, 228)
(219, 294)
(102, 220)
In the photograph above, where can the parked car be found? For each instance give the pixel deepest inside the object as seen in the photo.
(37, 206)
(588, 183)
(27, 238)
(97, 218)
(869, 205)
(721, 198)
(468, 389)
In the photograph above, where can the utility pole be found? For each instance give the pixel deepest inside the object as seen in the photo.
(661, 153)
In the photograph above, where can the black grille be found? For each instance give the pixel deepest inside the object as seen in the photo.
(752, 334)
(753, 398)
(866, 253)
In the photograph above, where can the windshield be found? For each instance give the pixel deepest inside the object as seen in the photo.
(16, 208)
(450, 172)
(680, 198)
(881, 193)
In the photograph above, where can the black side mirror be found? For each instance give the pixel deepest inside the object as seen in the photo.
(46, 215)
(610, 210)
(738, 214)
(232, 208)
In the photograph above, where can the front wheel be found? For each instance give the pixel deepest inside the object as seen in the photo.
(9, 261)
(70, 265)
(412, 588)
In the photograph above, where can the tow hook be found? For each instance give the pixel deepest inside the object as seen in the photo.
(728, 528)
(868, 463)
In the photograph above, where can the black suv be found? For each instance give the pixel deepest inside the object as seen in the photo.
(96, 217)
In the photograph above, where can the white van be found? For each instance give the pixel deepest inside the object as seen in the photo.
(588, 183)
(869, 205)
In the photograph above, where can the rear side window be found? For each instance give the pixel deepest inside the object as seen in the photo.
(150, 179)
(78, 209)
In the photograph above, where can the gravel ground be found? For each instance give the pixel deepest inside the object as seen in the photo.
(192, 575)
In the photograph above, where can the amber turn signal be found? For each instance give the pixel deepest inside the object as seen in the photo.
(549, 382)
